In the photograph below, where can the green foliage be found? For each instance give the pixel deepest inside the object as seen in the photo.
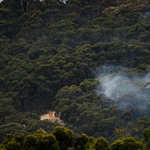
(41, 140)
(64, 136)
(101, 143)
(130, 143)
(11, 128)
(81, 142)
(13, 141)
(49, 54)
(127, 143)
(117, 145)
(146, 138)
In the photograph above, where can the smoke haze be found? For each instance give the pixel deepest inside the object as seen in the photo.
(126, 89)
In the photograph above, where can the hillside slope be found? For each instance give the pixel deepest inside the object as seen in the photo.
(88, 60)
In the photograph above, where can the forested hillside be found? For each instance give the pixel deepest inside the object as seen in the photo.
(64, 139)
(88, 59)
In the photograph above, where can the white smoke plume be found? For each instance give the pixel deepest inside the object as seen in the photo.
(127, 89)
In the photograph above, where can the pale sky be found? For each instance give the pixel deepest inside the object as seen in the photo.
(1, 0)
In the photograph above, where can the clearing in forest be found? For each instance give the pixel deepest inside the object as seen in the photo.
(51, 116)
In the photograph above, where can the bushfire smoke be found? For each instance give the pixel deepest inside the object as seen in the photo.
(129, 89)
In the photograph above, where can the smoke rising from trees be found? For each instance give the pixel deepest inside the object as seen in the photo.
(130, 91)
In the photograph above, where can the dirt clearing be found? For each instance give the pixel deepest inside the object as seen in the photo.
(51, 116)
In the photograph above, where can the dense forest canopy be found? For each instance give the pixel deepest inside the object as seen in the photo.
(87, 59)
(64, 139)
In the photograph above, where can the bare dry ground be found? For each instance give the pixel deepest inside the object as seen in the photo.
(52, 118)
